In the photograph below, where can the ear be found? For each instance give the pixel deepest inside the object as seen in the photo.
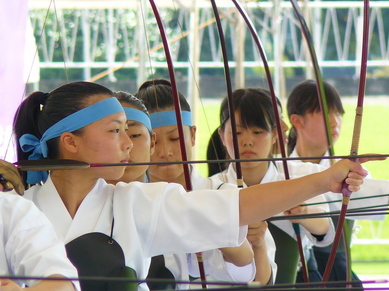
(69, 142)
(152, 143)
(297, 121)
(193, 134)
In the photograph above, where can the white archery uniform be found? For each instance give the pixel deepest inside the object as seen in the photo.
(276, 173)
(150, 218)
(216, 268)
(369, 188)
(29, 246)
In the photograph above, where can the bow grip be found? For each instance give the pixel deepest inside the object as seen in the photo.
(345, 191)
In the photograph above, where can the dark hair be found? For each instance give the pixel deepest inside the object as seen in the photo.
(257, 107)
(215, 151)
(39, 111)
(303, 99)
(128, 98)
(157, 95)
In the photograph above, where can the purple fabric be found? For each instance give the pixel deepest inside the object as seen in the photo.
(13, 19)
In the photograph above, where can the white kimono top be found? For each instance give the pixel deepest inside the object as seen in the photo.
(150, 218)
(276, 173)
(369, 187)
(29, 246)
(216, 268)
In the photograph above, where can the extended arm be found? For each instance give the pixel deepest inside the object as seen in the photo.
(278, 196)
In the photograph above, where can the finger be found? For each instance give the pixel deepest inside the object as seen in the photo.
(10, 178)
(11, 183)
(367, 159)
(357, 168)
(5, 185)
(8, 167)
(355, 177)
(353, 188)
(353, 185)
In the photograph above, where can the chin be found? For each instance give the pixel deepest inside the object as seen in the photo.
(114, 173)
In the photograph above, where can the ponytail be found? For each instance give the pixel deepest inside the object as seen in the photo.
(26, 119)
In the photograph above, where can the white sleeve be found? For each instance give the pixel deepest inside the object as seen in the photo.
(328, 238)
(216, 268)
(180, 222)
(32, 247)
(361, 199)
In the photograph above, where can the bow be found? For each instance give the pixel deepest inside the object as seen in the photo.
(356, 133)
(179, 119)
(319, 87)
(318, 76)
(238, 167)
(258, 43)
(324, 110)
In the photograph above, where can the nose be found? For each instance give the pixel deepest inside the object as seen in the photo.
(335, 120)
(127, 142)
(163, 150)
(284, 126)
(246, 139)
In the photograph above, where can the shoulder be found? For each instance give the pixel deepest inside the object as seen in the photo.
(135, 190)
(18, 214)
(12, 203)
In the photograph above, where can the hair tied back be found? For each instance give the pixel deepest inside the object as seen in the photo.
(42, 98)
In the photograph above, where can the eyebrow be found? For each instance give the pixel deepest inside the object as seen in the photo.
(115, 121)
(173, 130)
(131, 123)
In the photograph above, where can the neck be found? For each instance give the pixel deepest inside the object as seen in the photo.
(179, 180)
(304, 150)
(72, 187)
(254, 175)
(141, 178)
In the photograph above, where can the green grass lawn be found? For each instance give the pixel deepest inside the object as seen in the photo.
(370, 268)
(374, 139)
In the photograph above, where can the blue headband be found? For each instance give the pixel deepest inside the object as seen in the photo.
(70, 123)
(137, 115)
(165, 118)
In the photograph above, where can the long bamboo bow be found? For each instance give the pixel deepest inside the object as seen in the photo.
(180, 128)
(324, 110)
(356, 133)
(238, 167)
(262, 53)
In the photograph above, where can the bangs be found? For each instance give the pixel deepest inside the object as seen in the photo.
(255, 108)
(253, 113)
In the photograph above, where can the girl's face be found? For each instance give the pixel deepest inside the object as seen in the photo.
(143, 148)
(103, 141)
(254, 142)
(167, 149)
(313, 128)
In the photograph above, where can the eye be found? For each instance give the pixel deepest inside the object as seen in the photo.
(175, 139)
(135, 135)
(116, 130)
